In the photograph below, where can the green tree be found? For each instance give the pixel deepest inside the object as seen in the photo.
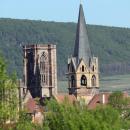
(118, 101)
(8, 96)
(121, 103)
(24, 122)
(66, 116)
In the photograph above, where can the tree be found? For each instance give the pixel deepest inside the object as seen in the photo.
(8, 96)
(24, 122)
(118, 101)
(122, 104)
(9, 103)
(66, 116)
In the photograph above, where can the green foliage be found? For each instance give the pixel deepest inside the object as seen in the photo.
(66, 116)
(122, 104)
(110, 44)
(118, 101)
(24, 122)
(8, 95)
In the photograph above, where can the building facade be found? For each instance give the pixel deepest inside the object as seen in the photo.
(40, 70)
(83, 72)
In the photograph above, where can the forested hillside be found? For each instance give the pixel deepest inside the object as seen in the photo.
(110, 44)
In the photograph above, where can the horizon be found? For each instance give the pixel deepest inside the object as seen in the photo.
(102, 13)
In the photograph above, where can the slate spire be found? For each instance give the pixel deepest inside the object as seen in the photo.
(82, 49)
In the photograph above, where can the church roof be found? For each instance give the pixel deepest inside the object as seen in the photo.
(60, 98)
(82, 49)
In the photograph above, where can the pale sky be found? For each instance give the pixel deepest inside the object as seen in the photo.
(99, 12)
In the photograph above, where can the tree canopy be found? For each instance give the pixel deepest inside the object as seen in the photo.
(66, 116)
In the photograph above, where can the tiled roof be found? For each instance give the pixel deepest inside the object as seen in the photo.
(62, 98)
(98, 100)
(30, 106)
(101, 98)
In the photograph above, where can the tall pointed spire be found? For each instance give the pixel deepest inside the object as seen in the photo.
(82, 49)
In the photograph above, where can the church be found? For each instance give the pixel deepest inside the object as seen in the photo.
(83, 72)
(40, 70)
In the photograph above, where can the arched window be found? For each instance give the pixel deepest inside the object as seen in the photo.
(82, 68)
(93, 80)
(72, 81)
(83, 80)
(44, 68)
(93, 68)
(43, 61)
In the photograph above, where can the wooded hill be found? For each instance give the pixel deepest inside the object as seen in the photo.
(110, 44)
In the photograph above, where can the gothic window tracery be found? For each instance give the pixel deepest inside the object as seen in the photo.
(44, 68)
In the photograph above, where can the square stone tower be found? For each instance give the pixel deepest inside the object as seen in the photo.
(40, 70)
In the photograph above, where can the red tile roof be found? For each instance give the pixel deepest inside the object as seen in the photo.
(62, 98)
(98, 99)
(30, 105)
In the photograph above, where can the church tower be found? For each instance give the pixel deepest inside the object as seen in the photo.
(83, 73)
(40, 70)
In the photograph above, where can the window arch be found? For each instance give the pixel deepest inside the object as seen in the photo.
(43, 62)
(93, 68)
(82, 68)
(72, 81)
(43, 57)
(44, 68)
(83, 80)
(93, 80)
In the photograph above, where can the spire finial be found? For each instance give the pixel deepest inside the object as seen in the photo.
(80, 1)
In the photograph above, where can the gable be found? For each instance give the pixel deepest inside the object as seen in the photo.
(82, 67)
(71, 65)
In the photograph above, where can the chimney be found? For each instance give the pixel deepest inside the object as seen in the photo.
(103, 98)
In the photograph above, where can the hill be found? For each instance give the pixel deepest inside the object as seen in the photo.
(110, 44)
